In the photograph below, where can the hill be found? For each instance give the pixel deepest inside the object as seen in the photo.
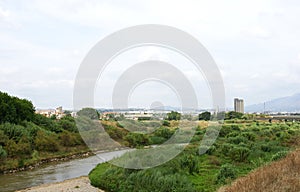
(283, 104)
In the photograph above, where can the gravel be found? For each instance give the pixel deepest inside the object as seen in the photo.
(80, 184)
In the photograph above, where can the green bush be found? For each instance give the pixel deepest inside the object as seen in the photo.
(46, 142)
(157, 140)
(166, 123)
(155, 179)
(279, 155)
(3, 153)
(239, 154)
(207, 149)
(164, 132)
(69, 139)
(137, 139)
(250, 136)
(225, 130)
(227, 172)
(266, 148)
(189, 162)
(237, 140)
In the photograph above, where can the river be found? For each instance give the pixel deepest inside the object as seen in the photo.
(54, 172)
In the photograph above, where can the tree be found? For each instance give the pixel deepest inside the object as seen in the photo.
(15, 110)
(68, 123)
(88, 112)
(173, 115)
(233, 115)
(205, 116)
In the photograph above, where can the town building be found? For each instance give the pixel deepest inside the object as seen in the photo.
(239, 105)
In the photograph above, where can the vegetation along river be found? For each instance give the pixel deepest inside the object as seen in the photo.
(54, 172)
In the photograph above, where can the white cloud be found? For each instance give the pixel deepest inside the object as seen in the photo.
(255, 43)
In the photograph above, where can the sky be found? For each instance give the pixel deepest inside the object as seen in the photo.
(256, 45)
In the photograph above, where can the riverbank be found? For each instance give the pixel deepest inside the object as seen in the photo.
(53, 159)
(80, 184)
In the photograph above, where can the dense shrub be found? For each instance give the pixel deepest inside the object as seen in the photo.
(154, 179)
(279, 155)
(3, 153)
(166, 123)
(227, 172)
(266, 147)
(156, 140)
(207, 149)
(237, 140)
(250, 136)
(68, 123)
(15, 110)
(225, 130)
(46, 123)
(239, 154)
(12, 131)
(46, 142)
(69, 139)
(137, 139)
(164, 132)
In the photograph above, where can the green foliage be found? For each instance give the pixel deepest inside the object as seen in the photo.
(279, 155)
(89, 112)
(157, 140)
(239, 154)
(137, 139)
(173, 115)
(164, 132)
(208, 149)
(154, 179)
(225, 130)
(46, 142)
(24, 134)
(245, 145)
(68, 123)
(3, 138)
(69, 139)
(3, 153)
(35, 155)
(15, 110)
(250, 136)
(233, 115)
(12, 131)
(266, 148)
(237, 140)
(46, 123)
(205, 116)
(115, 133)
(226, 173)
(166, 123)
(190, 163)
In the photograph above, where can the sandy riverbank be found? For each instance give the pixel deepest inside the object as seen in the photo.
(80, 184)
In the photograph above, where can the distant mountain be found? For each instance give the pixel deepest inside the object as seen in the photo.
(283, 104)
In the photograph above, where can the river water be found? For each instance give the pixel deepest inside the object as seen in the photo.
(54, 172)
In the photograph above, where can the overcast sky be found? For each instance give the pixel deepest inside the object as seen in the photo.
(256, 45)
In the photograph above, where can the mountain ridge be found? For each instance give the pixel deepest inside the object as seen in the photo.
(281, 104)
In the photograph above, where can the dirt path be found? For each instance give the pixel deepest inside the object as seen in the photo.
(80, 184)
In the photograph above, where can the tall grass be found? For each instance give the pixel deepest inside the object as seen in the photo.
(282, 175)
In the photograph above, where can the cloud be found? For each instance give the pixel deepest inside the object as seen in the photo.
(255, 43)
(256, 31)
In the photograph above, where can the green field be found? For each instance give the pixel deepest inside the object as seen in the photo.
(242, 146)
